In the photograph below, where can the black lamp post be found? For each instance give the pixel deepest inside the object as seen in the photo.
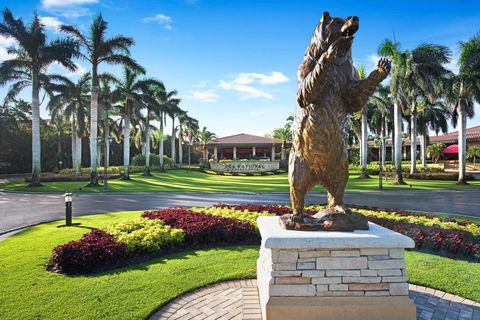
(68, 208)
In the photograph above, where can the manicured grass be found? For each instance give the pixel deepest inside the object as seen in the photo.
(192, 181)
(27, 291)
(452, 276)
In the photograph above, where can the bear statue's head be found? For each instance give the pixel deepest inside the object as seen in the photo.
(330, 31)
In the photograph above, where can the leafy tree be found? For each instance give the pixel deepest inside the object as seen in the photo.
(382, 116)
(100, 49)
(473, 153)
(435, 151)
(33, 54)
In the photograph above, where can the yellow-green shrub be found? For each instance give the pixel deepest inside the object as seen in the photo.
(145, 235)
(242, 215)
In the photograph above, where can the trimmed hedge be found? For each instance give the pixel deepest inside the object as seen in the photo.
(374, 168)
(65, 177)
(140, 160)
(201, 228)
(449, 176)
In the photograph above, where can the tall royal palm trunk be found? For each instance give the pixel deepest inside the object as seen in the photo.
(107, 141)
(413, 143)
(364, 145)
(78, 154)
(126, 142)
(462, 141)
(94, 128)
(160, 144)
(423, 147)
(147, 146)
(180, 147)
(36, 151)
(282, 156)
(73, 129)
(383, 147)
(398, 143)
(173, 142)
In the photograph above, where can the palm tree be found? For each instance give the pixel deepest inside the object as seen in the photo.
(284, 134)
(473, 153)
(425, 78)
(168, 101)
(130, 93)
(204, 136)
(72, 100)
(114, 50)
(185, 124)
(391, 49)
(364, 131)
(431, 116)
(382, 117)
(33, 55)
(464, 90)
(152, 104)
(106, 106)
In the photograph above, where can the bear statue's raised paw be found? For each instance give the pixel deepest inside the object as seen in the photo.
(384, 65)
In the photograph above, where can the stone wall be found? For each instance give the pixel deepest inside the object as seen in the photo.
(349, 272)
(245, 166)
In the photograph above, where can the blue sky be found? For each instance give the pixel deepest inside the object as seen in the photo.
(234, 62)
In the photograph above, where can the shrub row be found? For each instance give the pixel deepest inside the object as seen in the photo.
(140, 160)
(67, 177)
(246, 174)
(153, 232)
(451, 241)
(428, 231)
(201, 228)
(374, 168)
(449, 176)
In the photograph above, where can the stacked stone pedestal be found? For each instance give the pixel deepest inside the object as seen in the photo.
(332, 275)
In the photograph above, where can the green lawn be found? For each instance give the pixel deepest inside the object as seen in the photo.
(27, 291)
(192, 181)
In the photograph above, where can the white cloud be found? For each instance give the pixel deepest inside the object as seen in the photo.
(244, 83)
(205, 95)
(249, 78)
(51, 4)
(4, 44)
(162, 19)
(248, 92)
(51, 23)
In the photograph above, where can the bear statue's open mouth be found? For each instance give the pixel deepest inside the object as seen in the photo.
(349, 28)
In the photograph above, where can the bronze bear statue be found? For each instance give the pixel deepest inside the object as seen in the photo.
(329, 90)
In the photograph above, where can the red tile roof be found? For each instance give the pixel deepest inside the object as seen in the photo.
(243, 138)
(473, 134)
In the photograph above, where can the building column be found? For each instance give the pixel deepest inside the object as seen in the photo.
(273, 152)
(254, 151)
(215, 152)
(234, 153)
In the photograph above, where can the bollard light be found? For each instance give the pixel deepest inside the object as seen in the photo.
(68, 208)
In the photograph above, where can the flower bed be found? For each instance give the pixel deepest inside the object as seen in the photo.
(203, 228)
(166, 229)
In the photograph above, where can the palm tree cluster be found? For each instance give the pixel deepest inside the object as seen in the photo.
(424, 93)
(97, 103)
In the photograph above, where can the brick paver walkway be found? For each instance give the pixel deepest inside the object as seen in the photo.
(239, 300)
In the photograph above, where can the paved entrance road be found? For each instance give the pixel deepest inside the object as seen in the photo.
(19, 210)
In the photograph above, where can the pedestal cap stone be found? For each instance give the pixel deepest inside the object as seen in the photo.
(275, 237)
